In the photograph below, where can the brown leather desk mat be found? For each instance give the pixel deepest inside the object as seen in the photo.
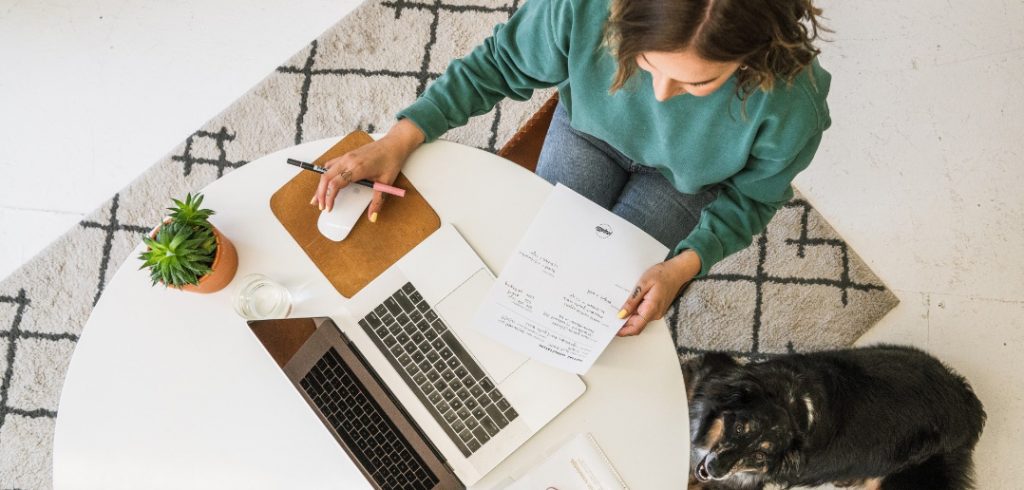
(370, 248)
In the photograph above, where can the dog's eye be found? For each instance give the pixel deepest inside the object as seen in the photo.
(740, 428)
(759, 457)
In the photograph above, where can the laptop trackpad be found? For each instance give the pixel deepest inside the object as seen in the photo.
(458, 309)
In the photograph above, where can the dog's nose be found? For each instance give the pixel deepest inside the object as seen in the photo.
(702, 472)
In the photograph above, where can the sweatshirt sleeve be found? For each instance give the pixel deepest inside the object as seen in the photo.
(747, 201)
(528, 52)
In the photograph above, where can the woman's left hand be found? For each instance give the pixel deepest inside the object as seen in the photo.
(656, 290)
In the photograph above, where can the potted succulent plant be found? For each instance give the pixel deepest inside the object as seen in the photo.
(187, 252)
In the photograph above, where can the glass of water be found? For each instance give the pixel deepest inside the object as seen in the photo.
(258, 298)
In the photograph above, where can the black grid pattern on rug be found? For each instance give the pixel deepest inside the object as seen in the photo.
(220, 161)
(111, 228)
(761, 277)
(423, 76)
(13, 333)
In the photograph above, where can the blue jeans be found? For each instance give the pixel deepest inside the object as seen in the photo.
(637, 193)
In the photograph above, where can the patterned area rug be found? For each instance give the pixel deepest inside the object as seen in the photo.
(798, 287)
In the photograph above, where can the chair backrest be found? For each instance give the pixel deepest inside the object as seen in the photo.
(524, 146)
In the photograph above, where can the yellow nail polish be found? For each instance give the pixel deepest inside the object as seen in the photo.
(373, 218)
(622, 314)
(312, 201)
(321, 207)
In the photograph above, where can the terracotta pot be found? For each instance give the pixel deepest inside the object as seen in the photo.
(222, 271)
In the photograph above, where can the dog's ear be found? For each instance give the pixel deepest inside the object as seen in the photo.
(698, 369)
(711, 363)
(718, 361)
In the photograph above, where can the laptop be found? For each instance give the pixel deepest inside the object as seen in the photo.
(405, 383)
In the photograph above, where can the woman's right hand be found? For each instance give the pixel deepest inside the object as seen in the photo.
(379, 161)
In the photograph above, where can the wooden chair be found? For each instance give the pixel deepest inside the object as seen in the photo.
(524, 146)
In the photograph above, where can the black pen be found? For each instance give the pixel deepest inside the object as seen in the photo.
(377, 186)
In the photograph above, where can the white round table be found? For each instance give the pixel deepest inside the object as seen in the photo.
(172, 390)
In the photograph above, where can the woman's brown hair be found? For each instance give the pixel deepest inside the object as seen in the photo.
(772, 38)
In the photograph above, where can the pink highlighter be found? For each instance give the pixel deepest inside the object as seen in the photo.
(377, 186)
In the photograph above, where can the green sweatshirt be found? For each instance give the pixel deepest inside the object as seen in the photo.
(752, 151)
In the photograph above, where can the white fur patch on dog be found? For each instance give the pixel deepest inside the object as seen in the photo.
(810, 410)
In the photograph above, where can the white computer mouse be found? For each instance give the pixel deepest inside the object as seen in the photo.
(349, 204)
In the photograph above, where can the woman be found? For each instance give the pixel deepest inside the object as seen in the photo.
(689, 118)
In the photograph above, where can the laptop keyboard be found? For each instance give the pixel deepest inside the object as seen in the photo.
(362, 424)
(444, 376)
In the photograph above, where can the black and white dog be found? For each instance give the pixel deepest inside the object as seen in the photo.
(883, 417)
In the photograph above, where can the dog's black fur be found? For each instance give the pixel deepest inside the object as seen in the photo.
(887, 417)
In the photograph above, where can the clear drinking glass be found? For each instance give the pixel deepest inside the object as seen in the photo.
(258, 298)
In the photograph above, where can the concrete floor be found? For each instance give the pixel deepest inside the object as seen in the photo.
(921, 171)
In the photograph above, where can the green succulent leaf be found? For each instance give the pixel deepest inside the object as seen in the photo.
(191, 212)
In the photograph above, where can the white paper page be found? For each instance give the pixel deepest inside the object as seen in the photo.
(578, 464)
(558, 297)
